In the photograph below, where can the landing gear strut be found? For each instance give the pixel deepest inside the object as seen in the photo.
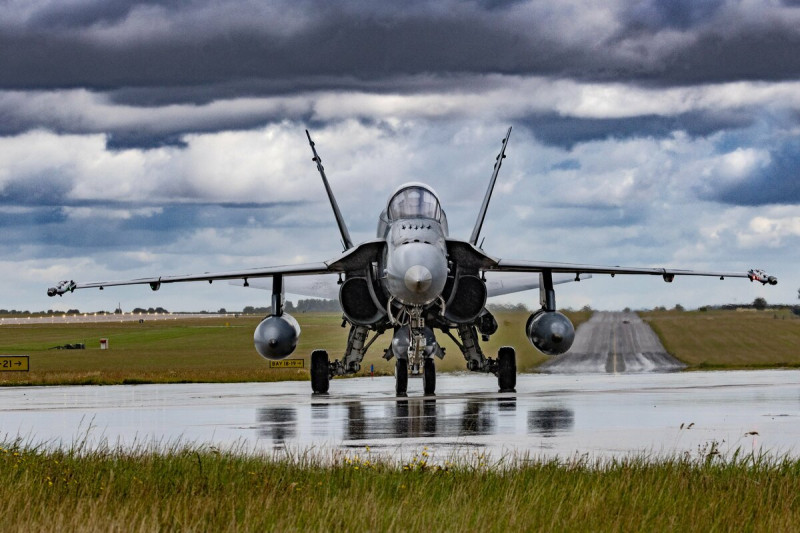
(320, 372)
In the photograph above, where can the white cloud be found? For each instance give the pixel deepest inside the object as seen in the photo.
(92, 213)
(492, 97)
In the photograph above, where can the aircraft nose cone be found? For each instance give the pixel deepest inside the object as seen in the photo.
(418, 279)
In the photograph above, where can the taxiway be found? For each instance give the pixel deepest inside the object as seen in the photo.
(614, 342)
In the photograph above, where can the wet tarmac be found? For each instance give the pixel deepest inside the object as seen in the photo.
(601, 415)
(614, 342)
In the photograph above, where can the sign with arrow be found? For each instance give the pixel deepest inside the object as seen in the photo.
(14, 363)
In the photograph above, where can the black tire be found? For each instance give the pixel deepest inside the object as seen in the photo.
(507, 369)
(429, 377)
(401, 377)
(320, 372)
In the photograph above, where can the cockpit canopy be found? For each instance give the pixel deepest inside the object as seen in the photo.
(414, 201)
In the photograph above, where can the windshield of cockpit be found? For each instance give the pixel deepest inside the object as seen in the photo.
(414, 202)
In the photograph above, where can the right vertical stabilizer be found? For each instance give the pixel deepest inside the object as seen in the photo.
(482, 214)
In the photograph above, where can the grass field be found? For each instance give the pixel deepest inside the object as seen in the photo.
(205, 490)
(208, 350)
(729, 339)
(221, 349)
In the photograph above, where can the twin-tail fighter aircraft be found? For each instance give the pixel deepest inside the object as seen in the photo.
(414, 279)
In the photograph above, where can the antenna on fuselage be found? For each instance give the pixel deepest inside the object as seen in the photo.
(482, 214)
(348, 243)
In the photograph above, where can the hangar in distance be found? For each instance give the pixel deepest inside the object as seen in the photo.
(413, 280)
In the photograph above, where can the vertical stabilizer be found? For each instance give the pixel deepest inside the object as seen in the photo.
(348, 243)
(482, 215)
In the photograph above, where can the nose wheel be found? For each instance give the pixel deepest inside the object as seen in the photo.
(401, 377)
(429, 377)
(320, 372)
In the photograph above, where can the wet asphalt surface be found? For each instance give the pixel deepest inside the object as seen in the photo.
(613, 342)
(600, 415)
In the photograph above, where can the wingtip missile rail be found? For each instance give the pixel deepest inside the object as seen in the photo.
(62, 287)
(761, 276)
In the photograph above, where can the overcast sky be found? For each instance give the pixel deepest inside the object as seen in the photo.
(167, 137)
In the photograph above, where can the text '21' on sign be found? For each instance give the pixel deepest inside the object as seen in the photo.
(14, 363)
(288, 363)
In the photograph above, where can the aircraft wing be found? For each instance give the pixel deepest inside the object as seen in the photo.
(156, 282)
(323, 286)
(354, 258)
(500, 285)
(512, 265)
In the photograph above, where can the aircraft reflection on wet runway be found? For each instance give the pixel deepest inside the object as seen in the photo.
(415, 418)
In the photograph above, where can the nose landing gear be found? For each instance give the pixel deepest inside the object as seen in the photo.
(429, 377)
(401, 377)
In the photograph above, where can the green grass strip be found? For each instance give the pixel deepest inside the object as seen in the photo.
(203, 489)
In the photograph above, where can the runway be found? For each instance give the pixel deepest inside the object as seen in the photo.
(614, 342)
(600, 415)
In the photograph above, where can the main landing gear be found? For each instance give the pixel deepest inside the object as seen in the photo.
(506, 369)
(320, 372)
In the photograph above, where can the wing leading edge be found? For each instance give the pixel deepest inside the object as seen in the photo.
(512, 265)
(352, 259)
(156, 282)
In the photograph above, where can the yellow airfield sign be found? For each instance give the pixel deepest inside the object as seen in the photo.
(14, 363)
(288, 363)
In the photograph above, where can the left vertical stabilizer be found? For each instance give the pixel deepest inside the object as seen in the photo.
(346, 240)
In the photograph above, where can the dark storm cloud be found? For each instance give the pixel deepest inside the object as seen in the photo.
(256, 49)
(126, 140)
(38, 190)
(777, 183)
(16, 221)
(566, 132)
(678, 14)
(55, 232)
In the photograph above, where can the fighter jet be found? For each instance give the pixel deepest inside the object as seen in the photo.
(414, 279)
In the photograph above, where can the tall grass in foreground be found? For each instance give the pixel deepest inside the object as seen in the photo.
(203, 489)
